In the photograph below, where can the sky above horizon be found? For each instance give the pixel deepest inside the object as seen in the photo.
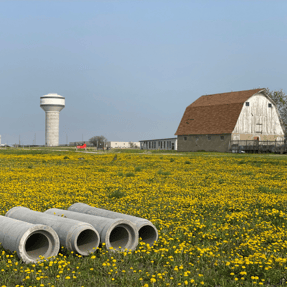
(128, 69)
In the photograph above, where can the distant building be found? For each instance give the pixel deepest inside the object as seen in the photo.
(213, 121)
(111, 144)
(161, 144)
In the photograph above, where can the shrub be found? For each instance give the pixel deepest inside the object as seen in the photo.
(116, 194)
(163, 172)
(130, 174)
(138, 168)
(266, 189)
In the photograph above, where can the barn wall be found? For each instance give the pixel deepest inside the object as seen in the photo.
(258, 120)
(201, 142)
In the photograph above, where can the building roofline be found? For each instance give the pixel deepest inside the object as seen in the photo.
(263, 89)
(158, 139)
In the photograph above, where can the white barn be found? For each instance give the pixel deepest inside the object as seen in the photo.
(213, 121)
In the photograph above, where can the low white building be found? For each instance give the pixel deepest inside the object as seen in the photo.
(162, 144)
(111, 144)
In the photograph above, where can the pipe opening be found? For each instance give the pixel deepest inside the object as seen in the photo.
(37, 245)
(119, 237)
(148, 234)
(86, 241)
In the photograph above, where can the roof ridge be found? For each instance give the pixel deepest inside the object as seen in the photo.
(233, 92)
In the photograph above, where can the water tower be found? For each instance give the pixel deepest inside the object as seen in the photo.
(52, 104)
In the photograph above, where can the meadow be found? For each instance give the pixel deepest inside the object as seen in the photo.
(221, 217)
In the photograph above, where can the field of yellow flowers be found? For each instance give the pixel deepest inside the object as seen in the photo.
(221, 217)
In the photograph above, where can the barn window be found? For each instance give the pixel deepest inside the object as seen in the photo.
(185, 138)
(209, 137)
(222, 138)
(269, 105)
(247, 104)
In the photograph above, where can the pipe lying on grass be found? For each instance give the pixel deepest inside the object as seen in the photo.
(146, 230)
(76, 236)
(116, 233)
(30, 241)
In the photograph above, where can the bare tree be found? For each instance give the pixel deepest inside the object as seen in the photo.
(132, 145)
(98, 141)
(280, 99)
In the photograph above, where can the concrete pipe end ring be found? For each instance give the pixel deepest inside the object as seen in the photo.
(133, 233)
(119, 235)
(84, 240)
(38, 243)
(147, 232)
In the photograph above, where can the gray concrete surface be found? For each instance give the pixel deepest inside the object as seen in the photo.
(117, 233)
(146, 230)
(30, 241)
(75, 235)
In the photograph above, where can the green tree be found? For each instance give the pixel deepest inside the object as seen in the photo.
(98, 141)
(280, 99)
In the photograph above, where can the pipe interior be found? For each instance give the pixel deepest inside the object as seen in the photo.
(119, 237)
(37, 245)
(87, 240)
(148, 234)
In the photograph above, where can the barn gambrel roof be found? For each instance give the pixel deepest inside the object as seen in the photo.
(214, 114)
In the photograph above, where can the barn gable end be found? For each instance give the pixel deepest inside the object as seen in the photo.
(260, 118)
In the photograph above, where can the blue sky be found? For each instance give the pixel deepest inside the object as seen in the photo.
(128, 69)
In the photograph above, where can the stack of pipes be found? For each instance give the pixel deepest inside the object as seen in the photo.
(37, 236)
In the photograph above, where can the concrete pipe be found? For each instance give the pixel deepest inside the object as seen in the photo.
(117, 233)
(76, 236)
(146, 230)
(30, 241)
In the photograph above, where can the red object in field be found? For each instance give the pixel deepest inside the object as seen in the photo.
(82, 146)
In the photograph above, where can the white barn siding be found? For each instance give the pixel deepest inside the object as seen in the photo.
(258, 120)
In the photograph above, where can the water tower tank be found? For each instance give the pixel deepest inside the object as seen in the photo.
(52, 104)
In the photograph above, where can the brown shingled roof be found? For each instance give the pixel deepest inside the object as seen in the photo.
(214, 114)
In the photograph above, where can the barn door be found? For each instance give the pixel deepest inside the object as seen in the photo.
(258, 125)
